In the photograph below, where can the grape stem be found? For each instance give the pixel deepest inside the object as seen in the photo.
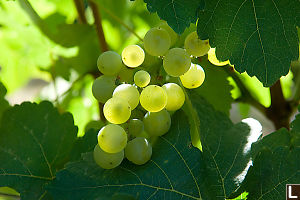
(80, 10)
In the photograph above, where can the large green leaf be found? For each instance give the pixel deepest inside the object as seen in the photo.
(35, 141)
(178, 13)
(4, 105)
(172, 173)
(259, 37)
(226, 150)
(215, 78)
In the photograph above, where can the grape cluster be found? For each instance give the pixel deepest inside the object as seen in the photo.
(137, 109)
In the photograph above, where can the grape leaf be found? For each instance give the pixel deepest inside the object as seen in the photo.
(259, 37)
(271, 171)
(215, 78)
(172, 173)
(275, 164)
(226, 150)
(4, 105)
(35, 141)
(178, 13)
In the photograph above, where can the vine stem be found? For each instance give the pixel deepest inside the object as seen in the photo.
(80, 10)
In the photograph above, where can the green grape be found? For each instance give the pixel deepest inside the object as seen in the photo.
(133, 56)
(194, 46)
(109, 63)
(129, 93)
(125, 75)
(175, 95)
(116, 110)
(103, 87)
(157, 41)
(153, 98)
(157, 123)
(194, 77)
(138, 151)
(142, 78)
(135, 127)
(107, 160)
(112, 138)
(97, 125)
(176, 62)
(173, 35)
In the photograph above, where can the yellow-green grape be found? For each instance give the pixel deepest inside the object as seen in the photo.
(142, 78)
(135, 127)
(112, 138)
(175, 95)
(153, 98)
(133, 56)
(176, 62)
(194, 46)
(157, 41)
(173, 35)
(138, 151)
(194, 77)
(103, 87)
(107, 160)
(157, 123)
(116, 110)
(109, 63)
(213, 58)
(129, 93)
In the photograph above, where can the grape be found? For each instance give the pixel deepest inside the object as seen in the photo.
(135, 127)
(109, 63)
(112, 138)
(107, 160)
(93, 125)
(157, 123)
(103, 87)
(142, 78)
(176, 62)
(138, 151)
(133, 56)
(126, 75)
(194, 77)
(194, 46)
(129, 93)
(213, 58)
(157, 41)
(116, 110)
(171, 32)
(153, 98)
(175, 95)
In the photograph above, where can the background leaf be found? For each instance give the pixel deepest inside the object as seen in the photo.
(35, 141)
(259, 37)
(4, 105)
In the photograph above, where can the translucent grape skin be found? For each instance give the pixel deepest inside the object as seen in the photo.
(133, 56)
(173, 35)
(157, 123)
(103, 87)
(142, 78)
(116, 110)
(109, 63)
(112, 138)
(107, 160)
(175, 95)
(176, 62)
(135, 127)
(194, 46)
(157, 41)
(129, 93)
(194, 77)
(153, 98)
(138, 151)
